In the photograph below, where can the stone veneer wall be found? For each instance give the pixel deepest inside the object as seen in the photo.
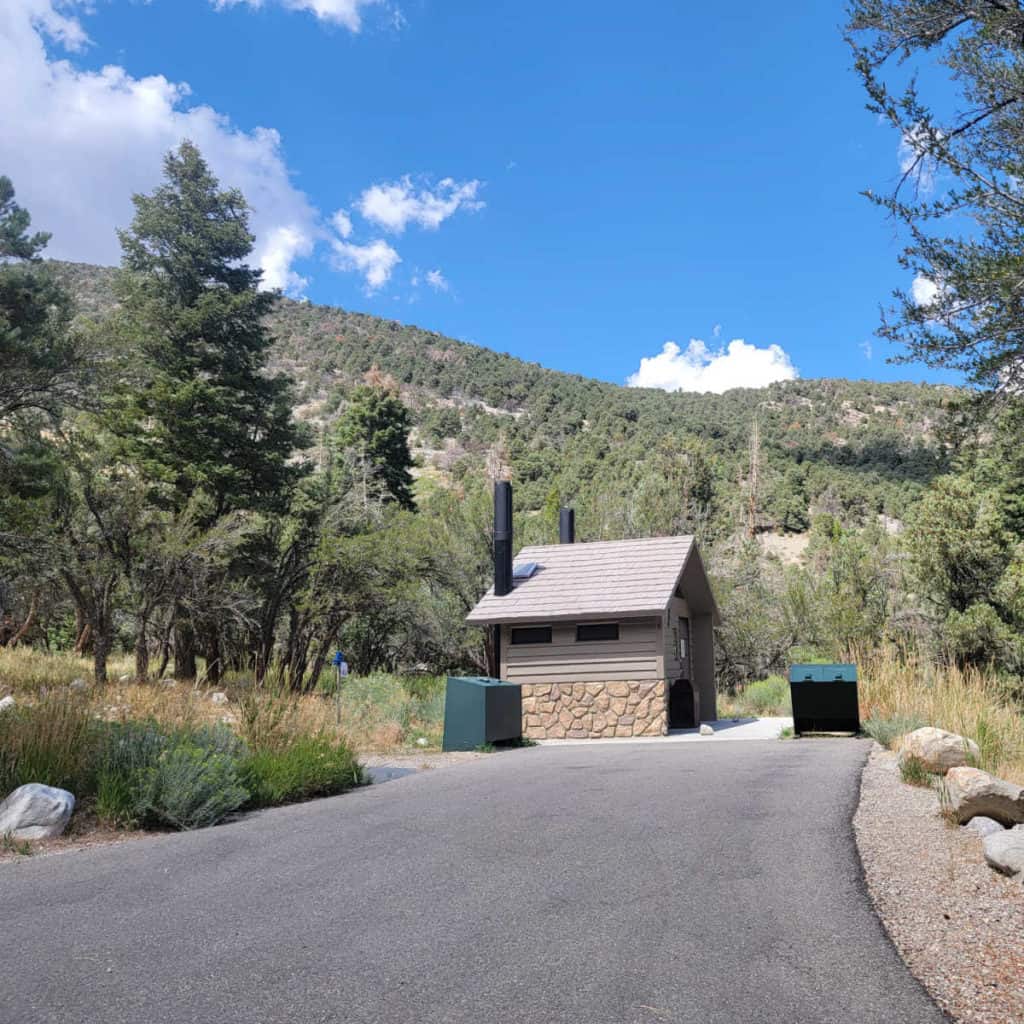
(589, 710)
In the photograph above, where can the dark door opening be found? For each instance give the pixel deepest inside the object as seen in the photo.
(682, 710)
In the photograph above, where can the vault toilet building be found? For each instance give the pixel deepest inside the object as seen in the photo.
(608, 638)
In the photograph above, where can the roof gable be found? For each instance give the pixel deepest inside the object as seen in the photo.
(614, 579)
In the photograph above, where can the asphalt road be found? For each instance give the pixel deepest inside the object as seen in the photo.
(596, 884)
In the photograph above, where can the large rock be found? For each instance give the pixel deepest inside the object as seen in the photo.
(938, 750)
(1004, 851)
(220, 697)
(36, 811)
(971, 792)
(983, 826)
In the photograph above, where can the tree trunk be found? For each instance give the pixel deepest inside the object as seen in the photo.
(319, 661)
(142, 650)
(101, 648)
(214, 665)
(26, 625)
(83, 645)
(184, 648)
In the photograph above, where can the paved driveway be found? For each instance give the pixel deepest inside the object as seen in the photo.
(597, 884)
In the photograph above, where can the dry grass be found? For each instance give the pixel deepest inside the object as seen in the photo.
(971, 702)
(374, 714)
(24, 670)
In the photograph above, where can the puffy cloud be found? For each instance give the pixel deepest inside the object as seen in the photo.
(437, 281)
(375, 261)
(924, 291)
(698, 368)
(394, 205)
(342, 223)
(276, 253)
(340, 12)
(78, 144)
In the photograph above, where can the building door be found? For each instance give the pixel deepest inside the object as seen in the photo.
(682, 705)
(683, 711)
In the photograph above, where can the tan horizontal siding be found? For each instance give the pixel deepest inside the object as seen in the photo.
(521, 653)
(644, 672)
(635, 655)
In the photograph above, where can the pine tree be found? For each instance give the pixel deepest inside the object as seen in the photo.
(197, 413)
(201, 413)
(40, 357)
(375, 429)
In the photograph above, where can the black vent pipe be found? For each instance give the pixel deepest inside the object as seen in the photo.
(502, 538)
(567, 526)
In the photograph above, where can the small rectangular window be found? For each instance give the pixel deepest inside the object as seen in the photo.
(597, 631)
(531, 634)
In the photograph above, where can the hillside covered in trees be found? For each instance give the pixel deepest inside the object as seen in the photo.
(638, 461)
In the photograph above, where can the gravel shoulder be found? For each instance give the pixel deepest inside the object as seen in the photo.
(958, 924)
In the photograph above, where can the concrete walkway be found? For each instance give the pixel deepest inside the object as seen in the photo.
(725, 729)
(712, 883)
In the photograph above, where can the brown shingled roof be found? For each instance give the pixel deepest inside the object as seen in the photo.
(617, 578)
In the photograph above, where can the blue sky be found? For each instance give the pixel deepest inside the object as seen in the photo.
(574, 183)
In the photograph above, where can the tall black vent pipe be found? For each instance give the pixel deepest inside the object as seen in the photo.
(567, 526)
(502, 538)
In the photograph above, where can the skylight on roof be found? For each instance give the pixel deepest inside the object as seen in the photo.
(524, 570)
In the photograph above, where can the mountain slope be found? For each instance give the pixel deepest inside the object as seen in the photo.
(856, 449)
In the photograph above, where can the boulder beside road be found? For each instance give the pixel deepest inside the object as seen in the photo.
(938, 750)
(35, 811)
(971, 792)
(983, 826)
(1004, 851)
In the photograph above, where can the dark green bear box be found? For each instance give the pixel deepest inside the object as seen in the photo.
(824, 698)
(478, 711)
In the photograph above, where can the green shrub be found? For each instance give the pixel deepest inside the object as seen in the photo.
(194, 782)
(130, 750)
(887, 730)
(308, 766)
(766, 697)
(55, 743)
(913, 772)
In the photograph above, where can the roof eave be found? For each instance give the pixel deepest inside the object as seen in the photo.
(606, 615)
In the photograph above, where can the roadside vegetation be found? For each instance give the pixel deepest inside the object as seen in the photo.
(203, 482)
(169, 755)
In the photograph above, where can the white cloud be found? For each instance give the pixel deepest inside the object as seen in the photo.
(277, 253)
(340, 12)
(868, 349)
(924, 291)
(375, 261)
(437, 281)
(394, 205)
(698, 368)
(342, 223)
(78, 144)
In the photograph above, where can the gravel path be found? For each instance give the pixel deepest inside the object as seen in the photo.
(957, 924)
